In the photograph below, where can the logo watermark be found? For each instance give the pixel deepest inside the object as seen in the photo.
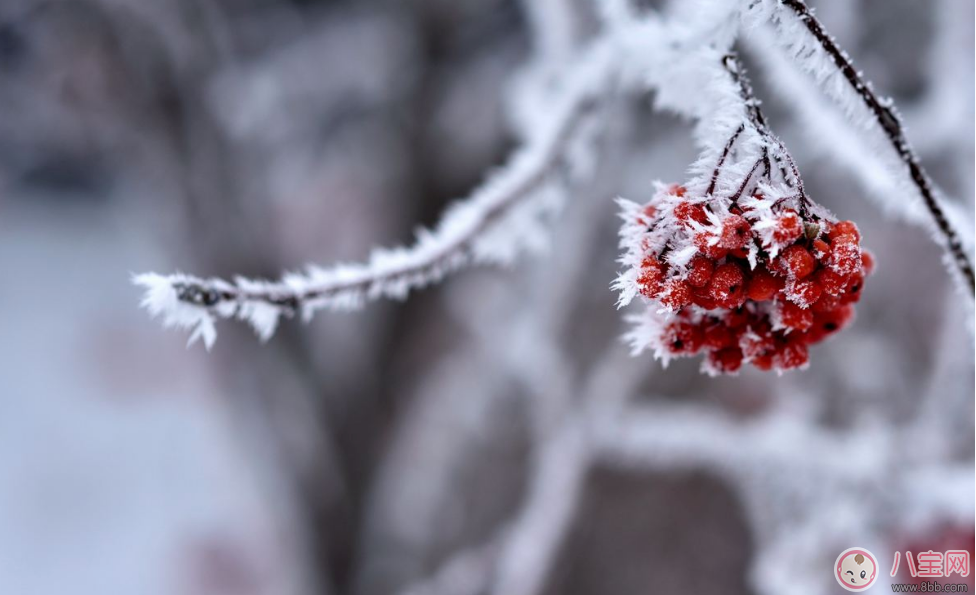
(856, 569)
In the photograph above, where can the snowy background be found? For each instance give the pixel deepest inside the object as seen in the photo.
(490, 434)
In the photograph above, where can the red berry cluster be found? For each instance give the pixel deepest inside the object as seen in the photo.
(753, 281)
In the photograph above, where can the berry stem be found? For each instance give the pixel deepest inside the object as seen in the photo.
(721, 160)
(745, 181)
(790, 176)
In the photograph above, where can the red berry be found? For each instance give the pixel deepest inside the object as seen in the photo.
(821, 249)
(804, 292)
(686, 211)
(737, 318)
(852, 293)
(867, 262)
(718, 336)
(725, 361)
(649, 211)
(676, 190)
(650, 282)
(845, 254)
(793, 354)
(831, 282)
(763, 362)
(844, 228)
(700, 271)
(758, 341)
(763, 285)
(828, 323)
(742, 253)
(727, 286)
(797, 261)
(682, 338)
(826, 303)
(736, 232)
(794, 317)
(702, 297)
(675, 295)
(788, 228)
(714, 251)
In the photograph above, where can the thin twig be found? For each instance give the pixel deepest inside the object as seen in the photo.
(745, 180)
(288, 300)
(758, 120)
(892, 128)
(721, 160)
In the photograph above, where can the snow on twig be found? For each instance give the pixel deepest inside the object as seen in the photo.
(501, 218)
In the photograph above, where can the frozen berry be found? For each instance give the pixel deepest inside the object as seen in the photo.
(793, 354)
(764, 361)
(742, 252)
(725, 361)
(727, 286)
(718, 336)
(763, 285)
(788, 228)
(828, 323)
(650, 281)
(702, 297)
(826, 303)
(737, 318)
(821, 249)
(675, 295)
(700, 271)
(759, 342)
(707, 243)
(845, 254)
(844, 228)
(682, 338)
(830, 281)
(797, 261)
(852, 293)
(736, 232)
(686, 211)
(794, 317)
(676, 190)
(867, 262)
(803, 292)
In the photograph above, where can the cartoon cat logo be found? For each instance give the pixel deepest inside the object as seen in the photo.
(856, 569)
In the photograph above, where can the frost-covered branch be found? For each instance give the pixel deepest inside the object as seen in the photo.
(501, 218)
(804, 38)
